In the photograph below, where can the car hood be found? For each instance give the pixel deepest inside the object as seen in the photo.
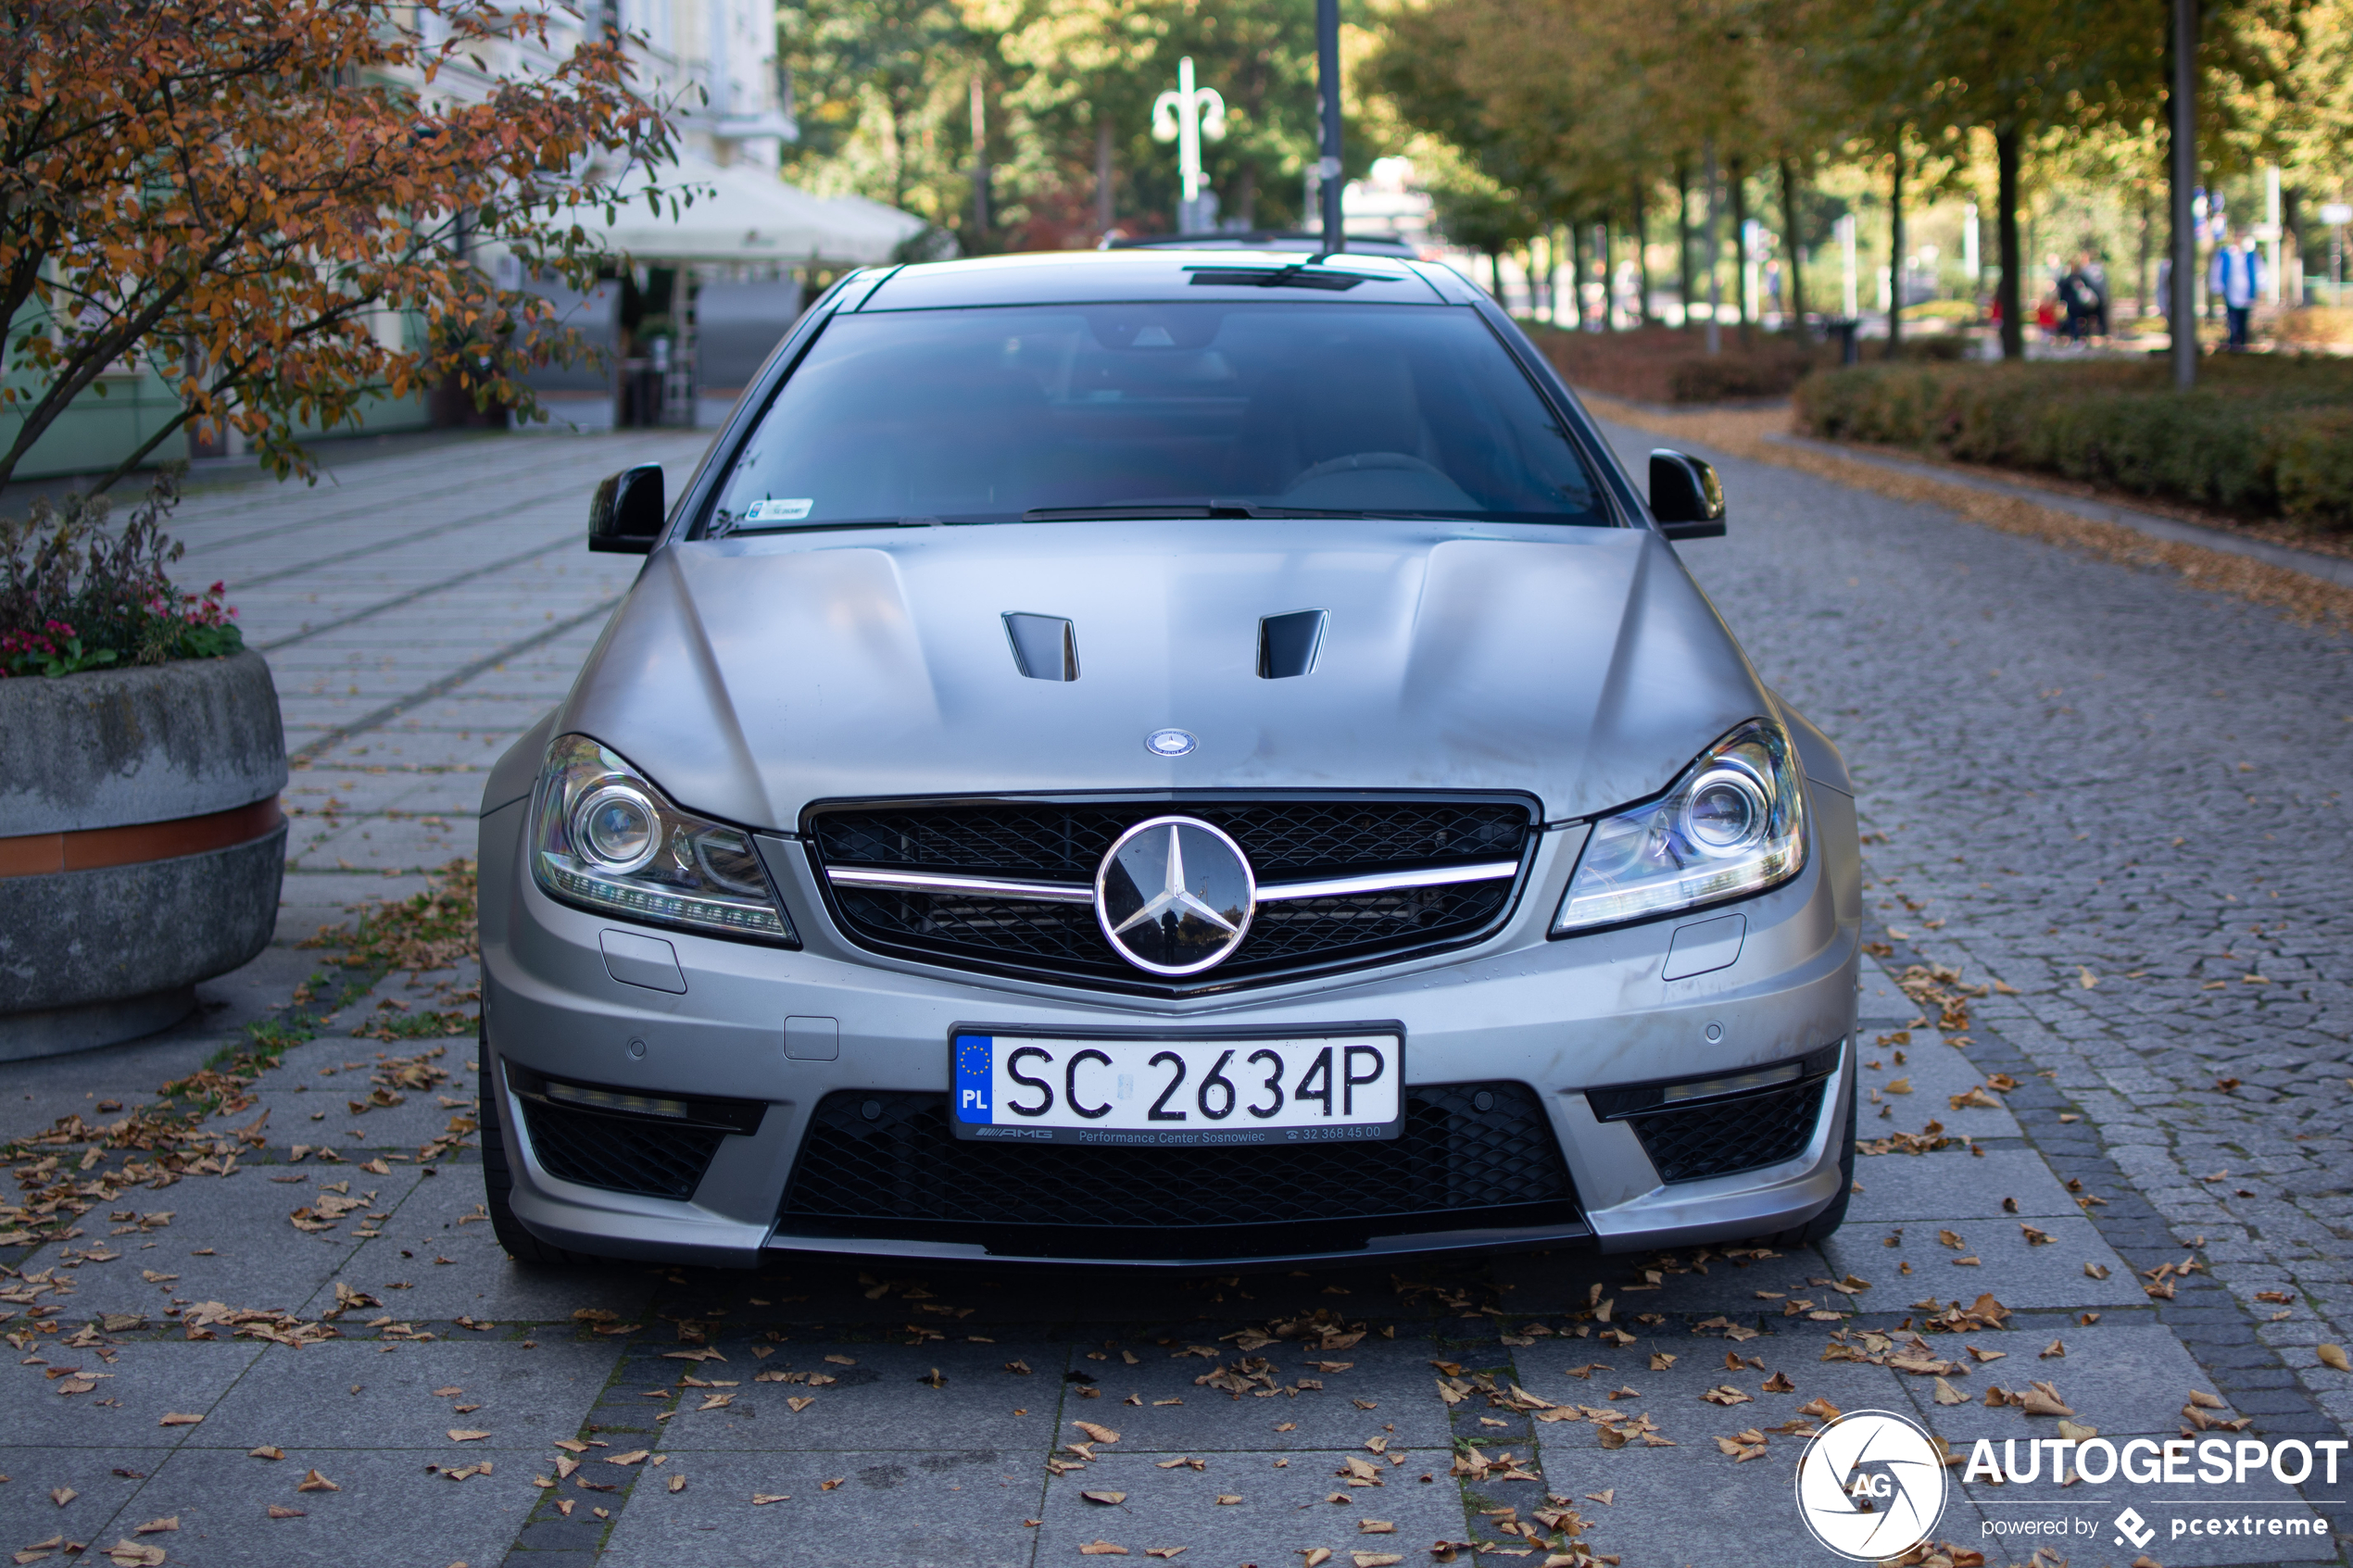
(751, 676)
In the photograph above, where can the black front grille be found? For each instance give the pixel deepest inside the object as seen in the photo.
(639, 1154)
(900, 1173)
(1066, 842)
(1719, 1138)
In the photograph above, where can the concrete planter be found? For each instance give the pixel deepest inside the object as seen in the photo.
(141, 844)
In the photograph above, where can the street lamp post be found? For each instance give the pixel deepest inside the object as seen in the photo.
(1184, 117)
(1328, 167)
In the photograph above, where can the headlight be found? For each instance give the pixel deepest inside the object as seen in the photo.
(1732, 825)
(603, 837)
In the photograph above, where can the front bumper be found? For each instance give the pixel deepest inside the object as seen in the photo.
(1560, 1017)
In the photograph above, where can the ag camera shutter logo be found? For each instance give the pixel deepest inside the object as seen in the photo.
(1870, 1485)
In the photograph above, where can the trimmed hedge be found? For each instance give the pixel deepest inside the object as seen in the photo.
(2264, 436)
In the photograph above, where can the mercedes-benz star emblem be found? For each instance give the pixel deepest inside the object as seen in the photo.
(1174, 896)
(1170, 743)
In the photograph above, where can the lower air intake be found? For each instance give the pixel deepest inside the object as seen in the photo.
(886, 1166)
(639, 1154)
(1722, 1137)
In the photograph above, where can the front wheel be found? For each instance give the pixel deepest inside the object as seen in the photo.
(499, 1182)
(1818, 1229)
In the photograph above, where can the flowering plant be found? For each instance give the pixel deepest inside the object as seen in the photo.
(76, 595)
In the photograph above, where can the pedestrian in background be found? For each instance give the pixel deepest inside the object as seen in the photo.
(2080, 297)
(2236, 277)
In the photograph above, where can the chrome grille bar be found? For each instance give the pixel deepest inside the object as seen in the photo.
(1078, 893)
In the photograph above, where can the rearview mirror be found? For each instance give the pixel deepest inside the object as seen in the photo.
(626, 517)
(1686, 496)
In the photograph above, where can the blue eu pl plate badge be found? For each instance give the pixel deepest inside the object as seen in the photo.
(973, 1054)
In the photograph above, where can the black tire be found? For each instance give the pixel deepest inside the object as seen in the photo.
(499, 1182)
(1822, 1226)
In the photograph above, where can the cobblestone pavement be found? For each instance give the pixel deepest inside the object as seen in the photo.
(466, 1411)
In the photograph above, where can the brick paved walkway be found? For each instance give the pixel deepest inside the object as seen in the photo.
(430, 607)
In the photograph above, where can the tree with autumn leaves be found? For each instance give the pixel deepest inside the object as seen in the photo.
(256, 199)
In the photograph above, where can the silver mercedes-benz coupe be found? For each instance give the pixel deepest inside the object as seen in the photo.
(1162, 756)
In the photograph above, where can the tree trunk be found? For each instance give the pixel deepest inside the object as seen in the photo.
(1608, 259)
(1794, 227)
(1103, 207)
(1895, 251)
(1246, 199)
(1641, 258)
(2140, 268)
(1739, 174)
(1576, 272)
(1683, 237)
(2010, 293)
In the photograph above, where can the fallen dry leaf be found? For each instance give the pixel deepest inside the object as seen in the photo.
(1376, 1527)
(1725, 1395)
(762, 1499)
(279, 1511)
(267, 1450)
(635, 1456)
(1101, 1548)
(2075, 1432)
(128, 1553)
(1376, 1559)
(1164, 1552)
(177, 1418)
(2095, 1270)
(1100, 1434)
(313, 1482)
(1819, 1409)
(2333, 1356)
(843, 1361)
(677, 1482)
(1315, 1556)
(798, 1403)
(2041, 1399)
(1107, 1499)
(466, 1434)
(1948, 1395)
(1227, 1499)
(157, 1526)
(1779, 1384)
(62, 1495)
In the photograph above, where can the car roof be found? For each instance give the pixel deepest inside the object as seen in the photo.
(1262, 238)
(1161, 274)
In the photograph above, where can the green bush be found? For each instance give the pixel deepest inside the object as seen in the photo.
(2260, 436)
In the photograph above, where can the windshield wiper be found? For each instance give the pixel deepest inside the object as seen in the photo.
(1137, 510)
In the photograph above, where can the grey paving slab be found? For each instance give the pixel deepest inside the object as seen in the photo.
(146, 1382)
(1392, 1378)
(1672, 1508)
(1931, 1073)
(2022, 1273)
(2127, 1381)
(1687, 1283)
(305, 1397)
(941, 1508)
(231, 1239)
(389, 1510)
(479, 1280)
(1283, 1512)
(973, 1408)
(104, 1482)
(1952, 1184)
(1672, 1396)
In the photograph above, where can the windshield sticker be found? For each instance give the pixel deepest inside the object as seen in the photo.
(778, 512)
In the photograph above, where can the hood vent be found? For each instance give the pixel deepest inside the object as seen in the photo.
(1288, 643)
(1045, 646)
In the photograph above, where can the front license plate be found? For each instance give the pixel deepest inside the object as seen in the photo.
(1179, 1093)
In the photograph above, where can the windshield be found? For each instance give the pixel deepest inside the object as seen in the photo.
(989, 414)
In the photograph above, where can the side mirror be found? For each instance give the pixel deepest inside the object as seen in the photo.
(1686, 496)
(626, 517)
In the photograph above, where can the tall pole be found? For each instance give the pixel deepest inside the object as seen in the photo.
(2183, 307)
(1715, 286)
(1327, 89)
(980, 160)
